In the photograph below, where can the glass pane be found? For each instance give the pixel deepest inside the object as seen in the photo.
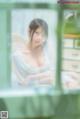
(71, 51)
(34, 46)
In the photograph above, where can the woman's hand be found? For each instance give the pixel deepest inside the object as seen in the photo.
(44, 78)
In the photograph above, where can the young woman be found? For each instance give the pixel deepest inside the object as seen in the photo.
(31, 66)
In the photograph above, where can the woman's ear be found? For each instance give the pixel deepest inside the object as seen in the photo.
(43, 40)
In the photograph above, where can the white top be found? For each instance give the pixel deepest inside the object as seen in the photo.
(24, 75)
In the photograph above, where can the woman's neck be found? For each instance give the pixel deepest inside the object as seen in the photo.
(36, 51)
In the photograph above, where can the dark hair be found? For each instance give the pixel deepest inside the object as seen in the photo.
(36, 23)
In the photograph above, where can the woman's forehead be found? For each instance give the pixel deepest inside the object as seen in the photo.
(39, 29)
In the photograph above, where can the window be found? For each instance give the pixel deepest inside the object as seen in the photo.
(38, 68)
(71, 51)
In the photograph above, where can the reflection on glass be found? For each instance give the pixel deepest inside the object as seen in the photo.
(32, 54)
(70, 53)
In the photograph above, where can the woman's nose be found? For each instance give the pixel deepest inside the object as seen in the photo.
(40, 37)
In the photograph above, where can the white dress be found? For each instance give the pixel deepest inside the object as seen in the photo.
(25, 75)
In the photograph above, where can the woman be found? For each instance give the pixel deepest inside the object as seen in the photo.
(31, 66)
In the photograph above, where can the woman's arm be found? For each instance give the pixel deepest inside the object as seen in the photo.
(46, 78)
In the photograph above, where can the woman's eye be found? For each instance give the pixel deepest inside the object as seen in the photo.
(37, 33)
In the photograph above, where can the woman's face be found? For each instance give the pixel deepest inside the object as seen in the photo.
(38, 38)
